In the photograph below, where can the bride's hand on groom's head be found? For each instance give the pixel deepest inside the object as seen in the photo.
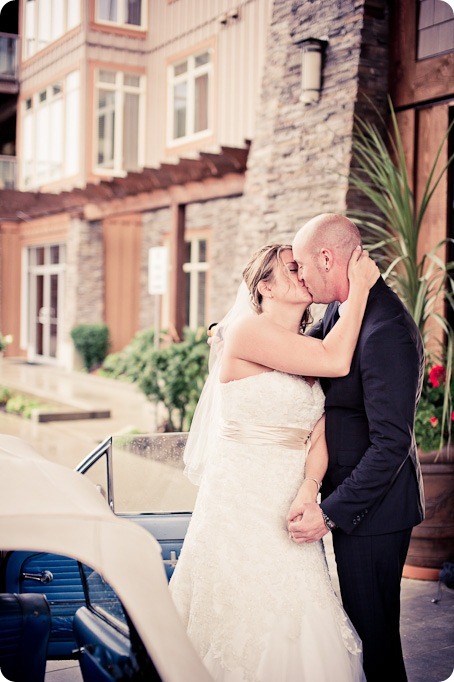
(362, 270)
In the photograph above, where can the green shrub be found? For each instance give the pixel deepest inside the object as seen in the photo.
(92, 343)
(5, 395)
(23, 405)
(174, 375)
(128, 364)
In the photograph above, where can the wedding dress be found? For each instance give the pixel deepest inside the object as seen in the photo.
(258, 607)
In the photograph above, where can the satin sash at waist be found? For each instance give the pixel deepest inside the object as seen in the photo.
(261, 434)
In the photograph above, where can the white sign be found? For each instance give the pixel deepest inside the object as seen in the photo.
(157, 270)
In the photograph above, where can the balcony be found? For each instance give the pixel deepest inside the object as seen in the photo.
(9, 61)
(8, 166)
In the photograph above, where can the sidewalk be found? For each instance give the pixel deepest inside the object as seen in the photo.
(427, 628)
(67, 442)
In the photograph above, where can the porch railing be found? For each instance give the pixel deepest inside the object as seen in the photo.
(8, 172)
(9, 56)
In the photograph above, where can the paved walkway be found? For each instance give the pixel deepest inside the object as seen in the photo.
(427, 628)
(67, 442)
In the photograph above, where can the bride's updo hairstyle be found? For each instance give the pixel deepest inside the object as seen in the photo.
(261, 267)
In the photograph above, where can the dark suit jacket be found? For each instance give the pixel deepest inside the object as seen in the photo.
(373, 483)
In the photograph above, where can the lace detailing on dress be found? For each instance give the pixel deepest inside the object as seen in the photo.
(273, 398)
(246, 592)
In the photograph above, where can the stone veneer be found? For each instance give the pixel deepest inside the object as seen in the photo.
(84, 283)
(220, 218)
(85, 274)
(300, 157)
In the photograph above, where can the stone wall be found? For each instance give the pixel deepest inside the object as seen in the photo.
(84, 282)
(221, 218)
(300, 157)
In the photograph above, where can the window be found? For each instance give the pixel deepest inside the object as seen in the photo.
(118, 121)
(128, 13)
(189, 93)
(102, 599)
(196, 268)
(435, 28)
(51, 133)
(47, 20)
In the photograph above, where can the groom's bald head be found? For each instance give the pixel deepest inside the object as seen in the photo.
(322, 249)
(329, 230)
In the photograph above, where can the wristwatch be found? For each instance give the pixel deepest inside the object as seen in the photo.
(328, 523)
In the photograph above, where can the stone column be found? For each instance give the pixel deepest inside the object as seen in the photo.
(300, 157)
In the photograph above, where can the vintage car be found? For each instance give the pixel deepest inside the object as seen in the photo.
(85, 561)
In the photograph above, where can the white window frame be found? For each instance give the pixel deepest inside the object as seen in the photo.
(32, 176)
(189, 77)
(28, 302)
(194, 268)
(122, 13)
(32, 43)
(119, 89)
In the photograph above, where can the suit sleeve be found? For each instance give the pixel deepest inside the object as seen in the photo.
(317, 330)
(390, 364)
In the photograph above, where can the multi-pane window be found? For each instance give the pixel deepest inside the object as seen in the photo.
(189, 91)
(47, 20)
(119, 121)
(129, 13)
(435, 28)
(50, 141)
(196, 269)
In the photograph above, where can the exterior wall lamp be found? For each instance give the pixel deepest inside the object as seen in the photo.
(313, 50)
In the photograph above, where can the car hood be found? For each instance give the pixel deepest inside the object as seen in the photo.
(46, 507)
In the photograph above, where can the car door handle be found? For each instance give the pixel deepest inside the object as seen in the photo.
(173, 559)
(44, 577)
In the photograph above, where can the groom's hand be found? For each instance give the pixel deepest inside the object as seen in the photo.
(309, 527)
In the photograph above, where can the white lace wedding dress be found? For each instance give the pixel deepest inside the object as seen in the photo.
(257, 606)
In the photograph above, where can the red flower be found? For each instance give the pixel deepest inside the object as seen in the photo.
(437, 376)
(452, 416)
(433, 421)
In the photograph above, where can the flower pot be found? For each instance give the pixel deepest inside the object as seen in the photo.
(432, 542)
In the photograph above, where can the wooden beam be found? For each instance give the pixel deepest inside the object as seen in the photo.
(432, 125)
(177, 278)
(231, 184)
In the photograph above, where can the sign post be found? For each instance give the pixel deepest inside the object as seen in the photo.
(157, 283)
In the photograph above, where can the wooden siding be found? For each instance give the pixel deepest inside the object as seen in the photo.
(10, 284)
(238, 57)
(122, 246)
(415, 81)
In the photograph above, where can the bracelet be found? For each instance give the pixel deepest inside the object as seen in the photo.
(319, 485)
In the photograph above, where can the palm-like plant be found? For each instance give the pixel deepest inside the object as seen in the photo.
(424, 284)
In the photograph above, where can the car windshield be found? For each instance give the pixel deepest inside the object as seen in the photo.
(147, 474)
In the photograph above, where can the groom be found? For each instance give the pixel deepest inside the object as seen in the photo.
(372, 493)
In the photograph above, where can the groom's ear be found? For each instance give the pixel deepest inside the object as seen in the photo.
(326, 259)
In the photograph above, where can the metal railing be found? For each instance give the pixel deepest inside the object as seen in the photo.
(8, 172)
(9, 56)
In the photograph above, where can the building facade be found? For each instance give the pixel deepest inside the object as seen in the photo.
(186, 124)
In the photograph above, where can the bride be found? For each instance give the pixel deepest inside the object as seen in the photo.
(257, 606)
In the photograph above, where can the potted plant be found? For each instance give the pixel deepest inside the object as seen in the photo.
(426, 286)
